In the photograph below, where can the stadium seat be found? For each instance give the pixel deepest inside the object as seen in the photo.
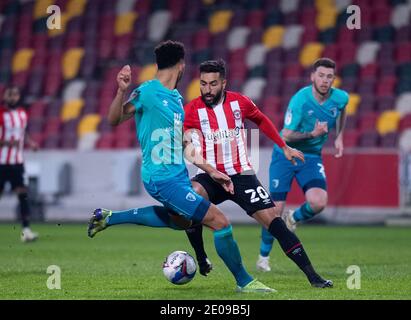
(88, 124)
(147, 73)
(369, 139)
(71, 62)
(193, 90)
(255, 55)
(353, 104)
(310, 53)
(74, 90)
(21, 60)
(389, 140)
(350, 138)
(124, 23)
(292, 36)
(388, 122)
(158, 25)
(220, 21)
(368, 121)
(237, 38)
(254, 87)
(72, 109)
(273, 36)
(403, 104)
(367, 53)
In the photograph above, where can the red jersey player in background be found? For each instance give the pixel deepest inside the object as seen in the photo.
(214, 122)
(13, 123)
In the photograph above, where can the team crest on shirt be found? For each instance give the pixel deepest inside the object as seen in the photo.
(333, 112)
(237, 114)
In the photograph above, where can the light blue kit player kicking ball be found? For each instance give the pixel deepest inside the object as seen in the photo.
(157, 108)
(312, 112)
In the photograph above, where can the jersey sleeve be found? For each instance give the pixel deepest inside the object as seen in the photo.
(293, 115)
(249, 109)
(189, 116)
(344, 100)
(135, 99)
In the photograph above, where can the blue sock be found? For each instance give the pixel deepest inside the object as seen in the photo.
(266, 243)
(228, 250)
(304, 212)
(152, 216)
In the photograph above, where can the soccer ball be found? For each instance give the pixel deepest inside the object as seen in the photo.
(179, 267)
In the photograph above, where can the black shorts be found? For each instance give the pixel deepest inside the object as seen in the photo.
(12, 173)
(249, 194)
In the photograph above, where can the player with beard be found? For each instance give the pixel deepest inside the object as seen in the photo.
(13, 135)
(215, 123)
(311, 113)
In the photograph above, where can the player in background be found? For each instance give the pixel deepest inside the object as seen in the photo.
(311, 113)
(157, 108)
(13, 135)
(215, 121)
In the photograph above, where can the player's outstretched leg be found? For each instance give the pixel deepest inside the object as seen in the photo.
(152, 216)
(293, 248)
(195, 235)
(266, 244)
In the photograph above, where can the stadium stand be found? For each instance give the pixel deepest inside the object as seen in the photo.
(68, 74)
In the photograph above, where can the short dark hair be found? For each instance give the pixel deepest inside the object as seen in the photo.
(169, 53)
(214, 66)
(324, 62)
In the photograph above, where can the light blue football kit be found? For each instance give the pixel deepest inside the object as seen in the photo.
(302, 114)
(159, 120)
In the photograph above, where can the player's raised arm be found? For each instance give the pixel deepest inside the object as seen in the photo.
(120, 112)
(266, 126)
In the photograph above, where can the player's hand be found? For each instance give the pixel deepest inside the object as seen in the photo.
(224, 180)
(124, 78)
(291, 154)
(339, 145)
(320, 129)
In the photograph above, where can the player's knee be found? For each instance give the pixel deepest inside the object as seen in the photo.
(216, 219)
(318, 203)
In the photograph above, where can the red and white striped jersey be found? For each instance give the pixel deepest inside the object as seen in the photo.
(220, 131)
(13, 125)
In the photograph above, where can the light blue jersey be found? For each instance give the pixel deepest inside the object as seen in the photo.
(159, 121)
(303, 112)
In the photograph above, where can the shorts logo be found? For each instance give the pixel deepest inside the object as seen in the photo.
(276, 182)
(190, 197)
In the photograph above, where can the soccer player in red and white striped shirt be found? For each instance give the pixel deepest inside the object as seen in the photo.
(214, 123)
(13, 123)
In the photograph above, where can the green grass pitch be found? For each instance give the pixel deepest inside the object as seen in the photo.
(124, 262)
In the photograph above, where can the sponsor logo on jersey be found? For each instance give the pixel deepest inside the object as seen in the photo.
(333, 112)
(220, 136)
(165, 103)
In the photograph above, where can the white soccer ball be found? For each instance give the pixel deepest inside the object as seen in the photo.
(179, 267)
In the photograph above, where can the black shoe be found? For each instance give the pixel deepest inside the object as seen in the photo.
(319, 282)
(205, 267)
